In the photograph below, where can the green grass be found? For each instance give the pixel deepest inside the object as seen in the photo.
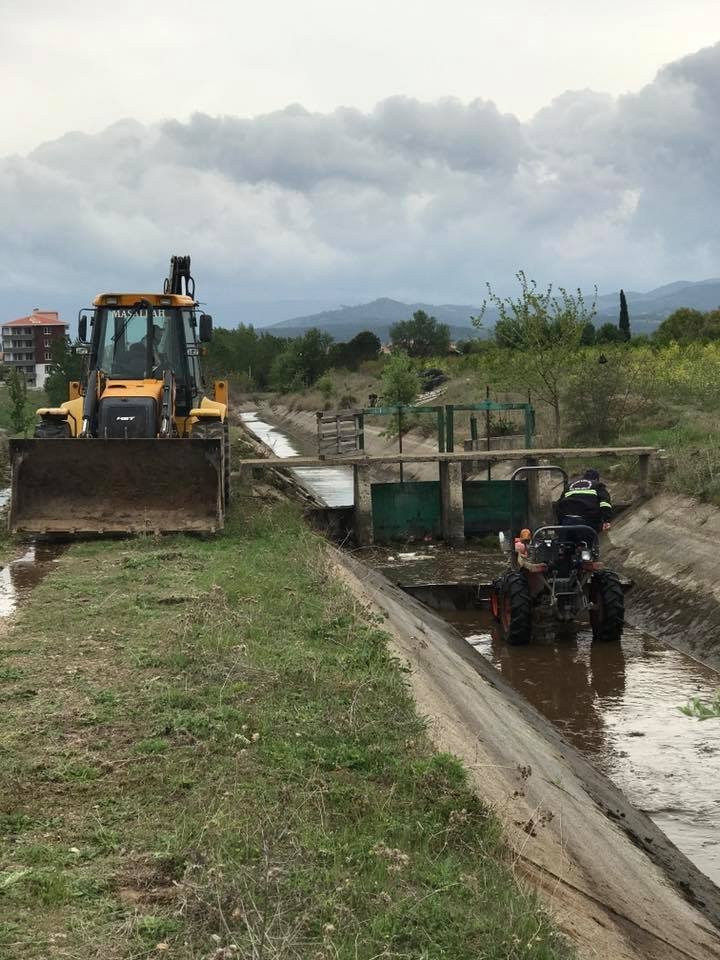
(244, 769)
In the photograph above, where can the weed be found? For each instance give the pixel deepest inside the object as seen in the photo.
(151, 745)
(7, 674)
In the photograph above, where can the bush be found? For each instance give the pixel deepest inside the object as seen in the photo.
(600, 398)
(399, 380)
(326, 387)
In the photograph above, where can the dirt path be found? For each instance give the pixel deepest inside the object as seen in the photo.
(562, 817)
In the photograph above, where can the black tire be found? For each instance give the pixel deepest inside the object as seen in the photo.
(607, 616)
(515, 609)
(52, 430)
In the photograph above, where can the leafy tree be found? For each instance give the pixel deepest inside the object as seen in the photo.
(364, 346)
(548, 328)
(588, 335)
(422, 336)
(609, 333)
(302, 361)
(686, 325)
(624, 321)
(243, 352)
(399, 379)
(66, 365)
(600, 398)
(20, 415)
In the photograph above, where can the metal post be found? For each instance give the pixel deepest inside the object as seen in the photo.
(318, 417)
(644, 461)
(441, 429)
(360, 427)
(529, 424)
(450, 427)
(400, 440)
(474, 431)
(487, 429)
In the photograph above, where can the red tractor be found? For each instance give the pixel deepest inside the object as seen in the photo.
(554, 581)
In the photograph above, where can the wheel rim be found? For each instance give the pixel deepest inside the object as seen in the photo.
(506, 613)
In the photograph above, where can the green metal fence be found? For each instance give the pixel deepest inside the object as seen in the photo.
(486, 506)
(404, 511)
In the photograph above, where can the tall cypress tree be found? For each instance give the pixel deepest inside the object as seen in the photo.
(624, 322)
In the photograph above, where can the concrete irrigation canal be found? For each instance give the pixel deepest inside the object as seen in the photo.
(617, 704)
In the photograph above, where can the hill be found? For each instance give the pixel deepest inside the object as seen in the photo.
(378, 315)
(647, 310)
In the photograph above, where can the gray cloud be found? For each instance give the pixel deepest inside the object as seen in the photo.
(412, 199)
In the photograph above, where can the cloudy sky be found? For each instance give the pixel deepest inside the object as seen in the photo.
(338, 151)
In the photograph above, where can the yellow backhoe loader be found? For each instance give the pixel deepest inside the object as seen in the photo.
(138, 447)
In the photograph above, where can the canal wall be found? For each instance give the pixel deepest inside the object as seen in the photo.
(670, 546)
(602, 865)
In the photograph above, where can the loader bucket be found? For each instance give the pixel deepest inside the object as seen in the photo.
(77, 487)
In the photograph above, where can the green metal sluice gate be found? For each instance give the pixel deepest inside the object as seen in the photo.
(412, 510)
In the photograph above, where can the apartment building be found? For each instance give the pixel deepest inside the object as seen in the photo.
(27, 343)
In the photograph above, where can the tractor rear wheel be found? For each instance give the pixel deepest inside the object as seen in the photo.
(607, 615)
(515, 609)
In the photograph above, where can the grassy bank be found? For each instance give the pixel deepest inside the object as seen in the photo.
(208, 752)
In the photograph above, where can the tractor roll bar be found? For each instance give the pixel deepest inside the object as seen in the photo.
(575, 527)
(532, 469)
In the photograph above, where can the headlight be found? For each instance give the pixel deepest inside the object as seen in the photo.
(586, 556)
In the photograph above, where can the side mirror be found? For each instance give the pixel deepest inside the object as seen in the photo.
(205, 328)
(82, 329)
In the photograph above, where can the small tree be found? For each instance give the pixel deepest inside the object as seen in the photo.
(17, 392)
(422, 336)
(624, 321)
(548, 329)
(326, 387)
(66, 366)
(609, 333)
(600, 398)
(685, 325)
(399, 380)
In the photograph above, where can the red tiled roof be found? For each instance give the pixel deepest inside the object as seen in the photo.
(38, 318)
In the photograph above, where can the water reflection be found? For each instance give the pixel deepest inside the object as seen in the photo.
(618, 704)
(434, 562)
(19, 577)
(334, 485)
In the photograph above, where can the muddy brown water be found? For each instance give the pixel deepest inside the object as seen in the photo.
(617, 703)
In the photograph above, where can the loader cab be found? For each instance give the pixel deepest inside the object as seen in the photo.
(142, 336)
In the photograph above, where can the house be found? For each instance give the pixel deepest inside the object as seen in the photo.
(27, 343)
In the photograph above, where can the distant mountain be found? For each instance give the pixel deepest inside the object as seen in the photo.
(378, 316)
(647, 310)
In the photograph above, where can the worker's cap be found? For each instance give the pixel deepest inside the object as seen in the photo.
(525, 534)
(591, 474)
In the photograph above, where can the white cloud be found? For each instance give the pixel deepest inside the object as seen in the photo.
(418, 199)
